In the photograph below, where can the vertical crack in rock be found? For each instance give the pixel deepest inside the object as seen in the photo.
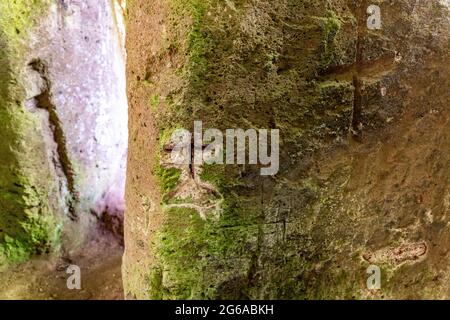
(44, 101)
(356, 124)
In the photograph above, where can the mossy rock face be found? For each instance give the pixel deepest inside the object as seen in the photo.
(28, 223)
(290, 65)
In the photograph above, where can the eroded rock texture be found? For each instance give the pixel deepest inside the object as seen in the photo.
(363, 116)
(64, 114)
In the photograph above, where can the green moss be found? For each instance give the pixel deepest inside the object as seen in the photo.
(154, 102)
(155, 284)
(178, 247)
(167, 177)
(14, 249)
(18, 16)
(37, 227)
(213, 173)
(332, 26)
(32, 229)
(37, 238)
(188, 245)
(27, 222)
(199, 38)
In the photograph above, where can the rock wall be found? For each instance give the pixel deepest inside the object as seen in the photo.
(27, 222)
(64, 110)
(82, 44)
(362, 115)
